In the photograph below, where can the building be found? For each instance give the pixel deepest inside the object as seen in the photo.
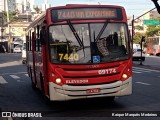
(11, 5)
(2, 5)
(140, 22)
(23, 6)
(45, 5)
(151, 15)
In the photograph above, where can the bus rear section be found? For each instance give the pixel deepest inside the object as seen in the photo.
(85, 53)
(153, 46)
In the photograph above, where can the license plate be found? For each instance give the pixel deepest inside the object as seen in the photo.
(93, 90)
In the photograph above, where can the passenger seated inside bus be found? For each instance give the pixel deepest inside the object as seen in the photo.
(109, 46)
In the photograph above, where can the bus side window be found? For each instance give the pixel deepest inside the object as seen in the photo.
(39, 45)
(43, 35)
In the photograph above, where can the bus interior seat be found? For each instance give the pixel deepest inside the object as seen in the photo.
(117, 50)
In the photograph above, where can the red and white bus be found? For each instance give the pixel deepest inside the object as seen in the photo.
(80, 51)
(153, 46)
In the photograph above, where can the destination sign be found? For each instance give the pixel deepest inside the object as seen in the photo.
(86, 13)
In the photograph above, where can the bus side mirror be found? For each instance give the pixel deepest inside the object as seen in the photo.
(43, 36)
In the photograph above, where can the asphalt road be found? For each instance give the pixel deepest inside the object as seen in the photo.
(150, 61)
(17, 95)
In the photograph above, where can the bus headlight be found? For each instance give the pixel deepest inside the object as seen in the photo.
(124, 76)
(58, 80)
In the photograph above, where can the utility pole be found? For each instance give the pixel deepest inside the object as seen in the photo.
(142, 40)
(8, 22)
(6, 3)
(2, 23)
(133, 20)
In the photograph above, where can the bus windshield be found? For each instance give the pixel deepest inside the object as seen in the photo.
(88, 43)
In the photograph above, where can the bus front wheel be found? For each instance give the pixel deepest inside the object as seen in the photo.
(111, 98)
(31, 76)
(42, 84)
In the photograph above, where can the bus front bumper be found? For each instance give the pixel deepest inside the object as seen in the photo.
(67, 92)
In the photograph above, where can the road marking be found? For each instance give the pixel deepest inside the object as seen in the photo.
(26, 75)
(143, 83)
(136, 72)
(141, 70)
(2, 80)
(13, 73)
(11, 64)
(20, 81)
(138, 68)
(15, 77)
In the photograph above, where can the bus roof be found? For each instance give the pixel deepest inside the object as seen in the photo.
(85, 5)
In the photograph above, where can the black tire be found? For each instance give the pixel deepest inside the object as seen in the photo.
(33, 84)
(111, 98)
(158, 54)
(42, 84)
(143, 59)
(46, 99)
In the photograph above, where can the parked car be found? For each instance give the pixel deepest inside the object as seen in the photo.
(137, 54)
(17, 49)
(18, 41)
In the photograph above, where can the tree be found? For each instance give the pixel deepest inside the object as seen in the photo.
(37, 9)
(157, 5)
(153, 30)
(12, 16)
(137, 37)
(138, 27)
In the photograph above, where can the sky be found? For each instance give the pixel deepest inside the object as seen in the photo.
(133, 7)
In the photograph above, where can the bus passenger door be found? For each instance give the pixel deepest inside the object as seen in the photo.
(38, 61)
(33, 58)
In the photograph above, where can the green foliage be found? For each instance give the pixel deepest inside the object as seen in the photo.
(37, 9)
(153, 30)
(138, 27)
(12, 16)
(137, 38)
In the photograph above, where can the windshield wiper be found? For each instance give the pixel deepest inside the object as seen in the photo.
(101, 31)
(75, 33)
(65, 37)
(76, 36)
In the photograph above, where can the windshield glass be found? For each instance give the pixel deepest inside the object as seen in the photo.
(88, 43)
